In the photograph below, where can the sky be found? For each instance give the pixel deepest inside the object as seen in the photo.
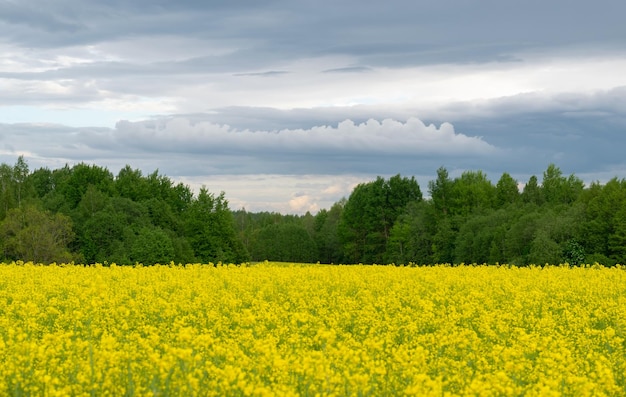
(287, 105)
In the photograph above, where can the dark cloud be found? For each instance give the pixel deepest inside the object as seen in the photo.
(349, 69)
(193, 148)
(383, 34)
(579, 132)
(154, 48)
(264, 141)
(385, 146)
(583, 133)
(263, 74)
(261, 86)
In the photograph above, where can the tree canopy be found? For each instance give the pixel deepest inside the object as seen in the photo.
(85, 213)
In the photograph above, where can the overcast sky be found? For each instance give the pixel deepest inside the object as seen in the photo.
(286, 105)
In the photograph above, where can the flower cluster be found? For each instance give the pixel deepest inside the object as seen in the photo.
(307, 330)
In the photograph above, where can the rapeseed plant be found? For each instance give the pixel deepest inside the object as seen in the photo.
(306, 330)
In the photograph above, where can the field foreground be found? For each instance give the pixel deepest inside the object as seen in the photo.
(311, 330)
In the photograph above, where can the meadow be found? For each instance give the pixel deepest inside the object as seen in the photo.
(311, 330)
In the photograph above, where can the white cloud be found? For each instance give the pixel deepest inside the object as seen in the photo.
(386, 137)
(284, 91)
(303, 203)
(334, 189)
(279, 193)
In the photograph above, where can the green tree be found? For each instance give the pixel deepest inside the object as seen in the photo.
(30, 234)
(543, 249)
(597, 220)
(507, 191)
(617, 236)
(327, 233)
(152, 245)
(105, 226)
(412, 235)
(20, 175)
(443, 241)
(440, 191)
(42, 182)
(134, 214)
(355, 225)
(471, 191)
(109, 234)
(474, 240)
(603, 221)
(161, 215)
(532, 192)
(370, 213)
(286, 242)
(557, 189)
(574, 253)
(92, 201)
(131, 184)
(7, 188)
(51, 189)
(210, 230)
(15, 185)
(102, 238)
(80, 177)
(521, 234)
(244, 226)
(181, 198)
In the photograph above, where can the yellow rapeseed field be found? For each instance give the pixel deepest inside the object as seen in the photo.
(309, 330)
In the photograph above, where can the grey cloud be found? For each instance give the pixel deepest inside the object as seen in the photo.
(31, 93)
(265, 118)
(197, 65)
(349, 69)
(264, 39)
(164, 56)
(391, 33)
(90, 70)
(518, 140)
(580, 132)
(34, 24)
(188, 148)
(35, 17)
(372, 137)
(269, 73)
(493, 114)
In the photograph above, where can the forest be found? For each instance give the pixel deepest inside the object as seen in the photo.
(86, 214)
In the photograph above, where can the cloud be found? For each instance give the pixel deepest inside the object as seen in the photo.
(303, 203)
(194, 148)
(279, 193)
(399, 33)
(349, 69)
(373, 137)
(333, 189)
(350, 90)
(281, 168)
(519, 134)
(371, 147)
(263, 74)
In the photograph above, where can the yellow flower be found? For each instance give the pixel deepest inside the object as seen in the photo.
(290, 329)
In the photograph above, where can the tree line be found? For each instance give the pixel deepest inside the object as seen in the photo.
(86, 214)
(466, 219)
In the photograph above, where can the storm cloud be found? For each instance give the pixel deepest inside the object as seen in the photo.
(257, 97)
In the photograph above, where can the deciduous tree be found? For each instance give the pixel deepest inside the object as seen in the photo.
(28, 233)
(370, 213)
